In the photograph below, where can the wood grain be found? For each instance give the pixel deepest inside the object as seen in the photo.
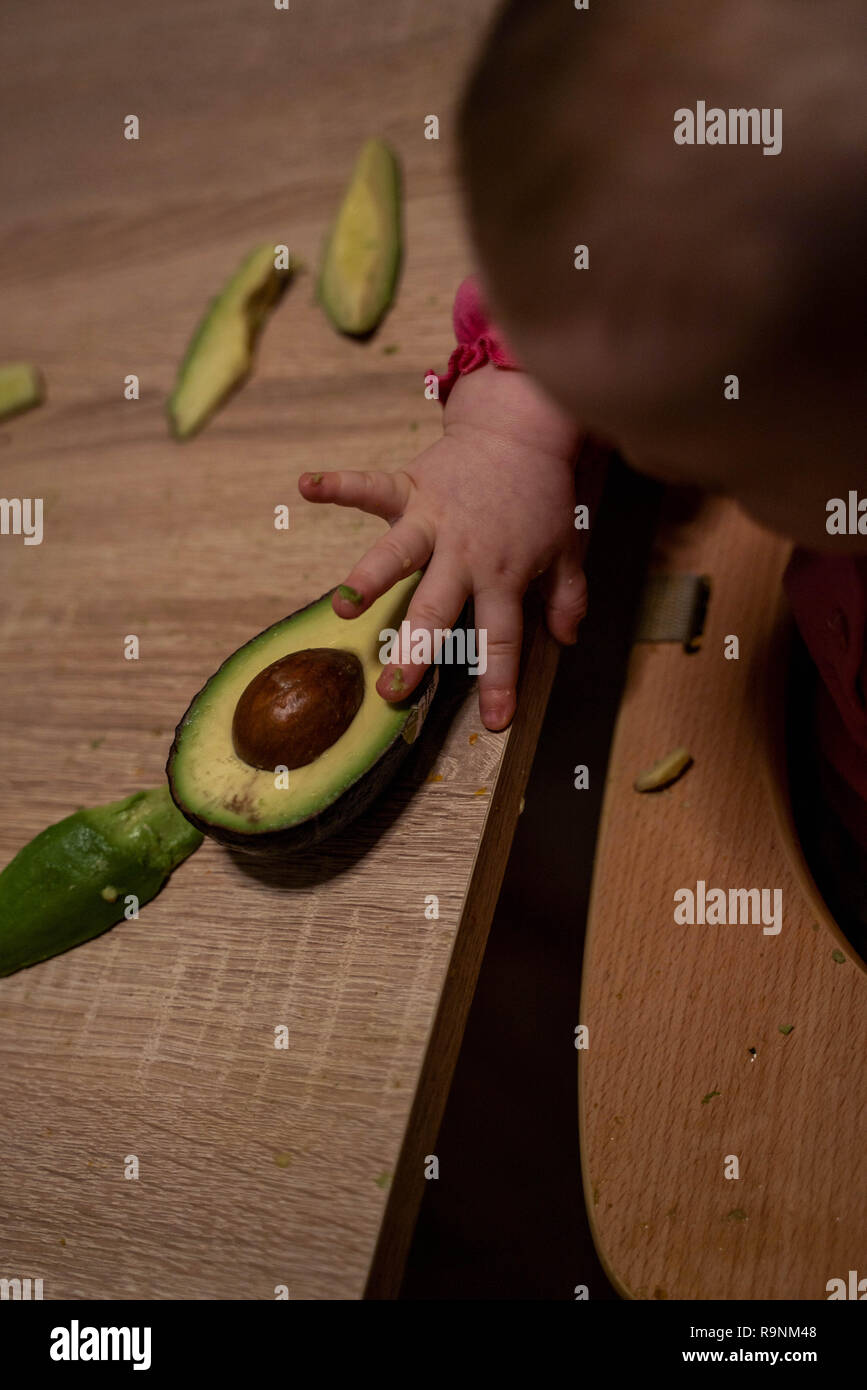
(674, 1011)
(259, 1167)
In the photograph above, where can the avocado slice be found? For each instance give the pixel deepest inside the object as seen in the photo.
(362, 253)
(324, 668)
(21, 388)
(220, 352)
(72, 881)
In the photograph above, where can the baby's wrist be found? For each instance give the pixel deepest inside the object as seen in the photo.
(510, 403)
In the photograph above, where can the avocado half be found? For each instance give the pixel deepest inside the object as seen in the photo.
(242, 805)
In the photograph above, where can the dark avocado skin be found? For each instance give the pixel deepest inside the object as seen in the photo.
(276, 844)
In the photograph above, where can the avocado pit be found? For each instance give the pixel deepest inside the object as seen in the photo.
(297, 707)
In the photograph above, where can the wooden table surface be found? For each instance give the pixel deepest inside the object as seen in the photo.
(259, 1167)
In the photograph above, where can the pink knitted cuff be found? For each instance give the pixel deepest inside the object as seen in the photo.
(479, 340)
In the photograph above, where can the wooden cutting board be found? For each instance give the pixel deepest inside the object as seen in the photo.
(258, 1167)
(688, 1065)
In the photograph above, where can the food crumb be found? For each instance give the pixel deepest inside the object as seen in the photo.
(109, 893)
(664, 772)
(838, 957)
(282, 1160)
(435, 777)
(736, 1215)
(95, 742)
(473, 738)
(383, 1180)
(710, 1095)
(390, 349)
(786, 1028)
(480, 791)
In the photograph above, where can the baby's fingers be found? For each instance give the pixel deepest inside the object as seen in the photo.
(381, 494)
(435, 605)
(499, 622)
(565, 589)
(396, 555)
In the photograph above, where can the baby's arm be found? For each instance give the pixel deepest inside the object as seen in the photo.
(488, 507)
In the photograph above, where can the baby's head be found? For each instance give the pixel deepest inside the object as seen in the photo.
(706, 260)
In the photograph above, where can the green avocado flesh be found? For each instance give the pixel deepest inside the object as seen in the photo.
(362, 254)
(220, 353)
(72, 881)
(246, 805)
(21, 388)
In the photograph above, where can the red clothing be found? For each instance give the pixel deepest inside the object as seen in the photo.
(828, 597)
(479, 341)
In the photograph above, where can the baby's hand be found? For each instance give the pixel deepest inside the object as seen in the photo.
(487, 508)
